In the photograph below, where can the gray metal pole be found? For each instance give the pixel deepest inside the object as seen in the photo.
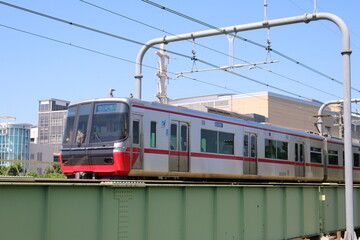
(349, 200)
(346, 51)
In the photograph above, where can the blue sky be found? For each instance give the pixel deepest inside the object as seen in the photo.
(33, 68)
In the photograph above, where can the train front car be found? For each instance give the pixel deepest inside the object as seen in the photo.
(95, 142)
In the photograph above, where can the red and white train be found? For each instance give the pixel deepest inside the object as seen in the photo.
(117, 137)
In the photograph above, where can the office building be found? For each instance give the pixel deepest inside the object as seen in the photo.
(52, 113)
(14, 141)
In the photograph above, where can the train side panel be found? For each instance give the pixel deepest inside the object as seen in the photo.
(334, 162)
(167, 141)
(274, 158)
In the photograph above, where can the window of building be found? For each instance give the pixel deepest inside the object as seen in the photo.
(333, 157)
(44, 107)
(315, 155)
(153, 134)
(276, 149)
(39, 156)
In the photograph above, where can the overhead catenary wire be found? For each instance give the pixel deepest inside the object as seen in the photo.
(209, 48)
(353, 45)
(142, 44)
(246, 40)
(151, 67)
(73, 45)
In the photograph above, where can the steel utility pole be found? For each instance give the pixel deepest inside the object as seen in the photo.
(346, 51)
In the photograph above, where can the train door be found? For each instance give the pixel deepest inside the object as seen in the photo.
(250, 154)
(137, 150)
(299, 160)
(179, 147)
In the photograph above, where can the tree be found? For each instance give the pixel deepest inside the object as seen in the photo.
(53, 172)
(53, 175)
(15, 169)
(31, 174)
(3, 170)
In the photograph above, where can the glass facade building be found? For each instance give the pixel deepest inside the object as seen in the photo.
(14, 142)
(52, 114)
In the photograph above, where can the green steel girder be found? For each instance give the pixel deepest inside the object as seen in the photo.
(178, 212)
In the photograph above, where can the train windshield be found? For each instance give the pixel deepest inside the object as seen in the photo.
(96, 123)
(110, 122)
(69, 125)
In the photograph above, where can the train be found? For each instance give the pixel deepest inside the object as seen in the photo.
(130, 138)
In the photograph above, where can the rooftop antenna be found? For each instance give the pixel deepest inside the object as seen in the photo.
(162, 75)
(111, 92)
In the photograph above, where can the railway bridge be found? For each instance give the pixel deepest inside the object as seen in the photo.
(154, 210)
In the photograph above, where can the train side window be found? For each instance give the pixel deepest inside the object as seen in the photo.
(208, 141)
(301, 153)
(136, 132)
(315, 155)
(252, 146)
(356, 160)
(184, 138)
(333, 157)
(270, 148)
(153, 134)
(226, 143)
(246, 145)
(282, 150)
(173, 137)
(276, 149)
(217, 142)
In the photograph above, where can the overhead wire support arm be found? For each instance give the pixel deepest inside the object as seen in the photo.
(322, 107)
(220, 31)
(229, 68)
(249, 41)
(346, 51)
